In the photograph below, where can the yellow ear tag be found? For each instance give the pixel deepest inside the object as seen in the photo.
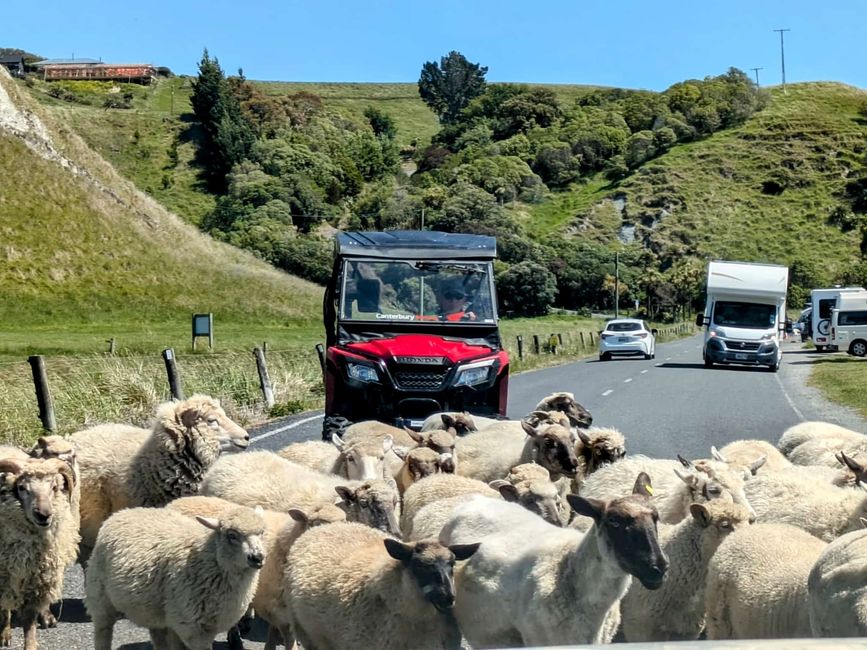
(649, 490)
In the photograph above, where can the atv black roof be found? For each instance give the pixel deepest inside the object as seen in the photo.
(415, 244)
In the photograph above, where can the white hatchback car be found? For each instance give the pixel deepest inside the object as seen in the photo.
(627, 337)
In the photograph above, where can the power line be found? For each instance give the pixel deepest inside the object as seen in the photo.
(756, 70)
(783, 56)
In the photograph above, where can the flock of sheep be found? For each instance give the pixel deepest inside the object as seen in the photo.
(501, 533)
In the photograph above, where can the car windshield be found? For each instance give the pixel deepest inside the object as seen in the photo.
(744, 314)
(623, 327)
(451, 292)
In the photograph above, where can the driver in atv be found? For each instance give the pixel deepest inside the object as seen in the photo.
(454, 302)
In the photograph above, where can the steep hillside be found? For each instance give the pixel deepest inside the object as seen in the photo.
(762, 191)
(81, 244)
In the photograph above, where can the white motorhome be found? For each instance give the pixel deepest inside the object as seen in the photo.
(824, 301)
(849, 325)
(745, 314)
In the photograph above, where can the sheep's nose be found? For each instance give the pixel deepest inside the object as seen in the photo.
(41, 518)
(255, 560)
(752, 519)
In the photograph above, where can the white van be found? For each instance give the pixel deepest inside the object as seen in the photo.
(745, 314)
(849, 326)
(823, 302)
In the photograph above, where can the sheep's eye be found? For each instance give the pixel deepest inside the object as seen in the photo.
(212, 422)
(350, 459)
(549, 443)
(613, 523)
(724, 524)
(714, 490)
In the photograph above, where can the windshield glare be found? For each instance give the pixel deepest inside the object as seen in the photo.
(409, 291)
(623, 327)
(745, 314)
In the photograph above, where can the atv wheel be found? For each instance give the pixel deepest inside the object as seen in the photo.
(334, 424)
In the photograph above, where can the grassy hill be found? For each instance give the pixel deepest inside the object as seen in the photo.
(86, 253)
(762, 191)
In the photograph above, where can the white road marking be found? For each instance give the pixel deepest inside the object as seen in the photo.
(657, 364)
(668, 358)
(789, 399)
(643, 371)
(607, 393)
(626, 381)
(286, 428)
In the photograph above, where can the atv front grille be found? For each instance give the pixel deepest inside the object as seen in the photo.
(420, 380)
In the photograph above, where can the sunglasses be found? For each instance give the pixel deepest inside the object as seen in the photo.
(451, 295)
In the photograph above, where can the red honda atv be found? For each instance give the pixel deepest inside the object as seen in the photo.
(411, 329)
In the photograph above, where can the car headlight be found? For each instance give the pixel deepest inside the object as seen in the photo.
(474, 373)
(362, 372)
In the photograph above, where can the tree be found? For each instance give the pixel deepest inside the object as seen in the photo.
(382, 123)
(448, 87)
(526, 289)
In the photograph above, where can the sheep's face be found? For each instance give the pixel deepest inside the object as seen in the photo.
(364, 459)
(598, 447)
(423, 461)
(240, 539)
(320, 515)
(553, 448)
(460, 424)
(537, 496)
(626, 532)
(565, 403)
(374, 503)
(718, 519)
(201, 424)
(36, 486)
(710, 480)
(432, 567)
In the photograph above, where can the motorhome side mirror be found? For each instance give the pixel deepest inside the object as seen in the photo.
(699, 320)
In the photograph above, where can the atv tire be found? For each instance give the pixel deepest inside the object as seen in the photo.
(334, 424)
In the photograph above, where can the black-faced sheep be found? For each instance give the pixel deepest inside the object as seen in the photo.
(350, 586)
(123, 466)
(184, 579)
(39, 539)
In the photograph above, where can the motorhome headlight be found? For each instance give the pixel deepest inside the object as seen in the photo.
(767, 337)
(472, 374)
(362, 372)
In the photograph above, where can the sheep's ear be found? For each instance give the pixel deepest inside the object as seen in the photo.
(299, 515)
(345, 493)
(399, 550)
(758, 463)
(10, 466)
(188, 415)
(400, 452)
(851, 463)
(337, 441)
(687, 477)
(642, 485)
(684, 462)
(448, 421)
(700, 513)
(209, 522)
(464, 551)
(714, 452)
(529, 429)
(586, 506)
(415, 435)
(508, 491)
(583, 437)
(387, 443)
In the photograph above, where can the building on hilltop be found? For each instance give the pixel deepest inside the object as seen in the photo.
(90, 69)
(15, 64)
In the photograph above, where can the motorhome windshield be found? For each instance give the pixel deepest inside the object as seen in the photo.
(398, 291)
(745, 314)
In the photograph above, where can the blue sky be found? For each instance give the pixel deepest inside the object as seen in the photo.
(633, 44)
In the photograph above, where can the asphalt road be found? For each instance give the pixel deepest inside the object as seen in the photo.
(664, 406)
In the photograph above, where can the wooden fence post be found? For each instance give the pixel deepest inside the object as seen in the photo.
(581, 334)
(172, 372)
(43, 395)
(111, 346)
(536, 343)
(264, 379)
(560, 338)
(264, 347)
(520, 346)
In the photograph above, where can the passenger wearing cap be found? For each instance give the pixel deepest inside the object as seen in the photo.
(453, 299)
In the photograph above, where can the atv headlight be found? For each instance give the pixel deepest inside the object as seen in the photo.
(474, 373)
(362, 372)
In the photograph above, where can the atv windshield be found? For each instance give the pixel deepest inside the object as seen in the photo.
(417, 291)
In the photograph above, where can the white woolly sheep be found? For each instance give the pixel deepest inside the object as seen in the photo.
(358, 460)
(463, 423)
(757, 583)
(263, 478)
(350, 586)
(123, 466)
(802, 432)
(836, 589)
(14, 453)
(39, 539)
(596, 446)
(489, 454)
(441, 441)
(419, 463)
(281, 531)
(752, 456)
(799, 496)
(528, 472)
(824, 451)
(674, 612)
(434, 488)
(527, 585)
(184, 580)
(675, 484)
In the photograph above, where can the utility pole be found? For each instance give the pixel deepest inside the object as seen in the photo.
(616, 285)
(756, 70)
(783, 56)
(422, 218)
